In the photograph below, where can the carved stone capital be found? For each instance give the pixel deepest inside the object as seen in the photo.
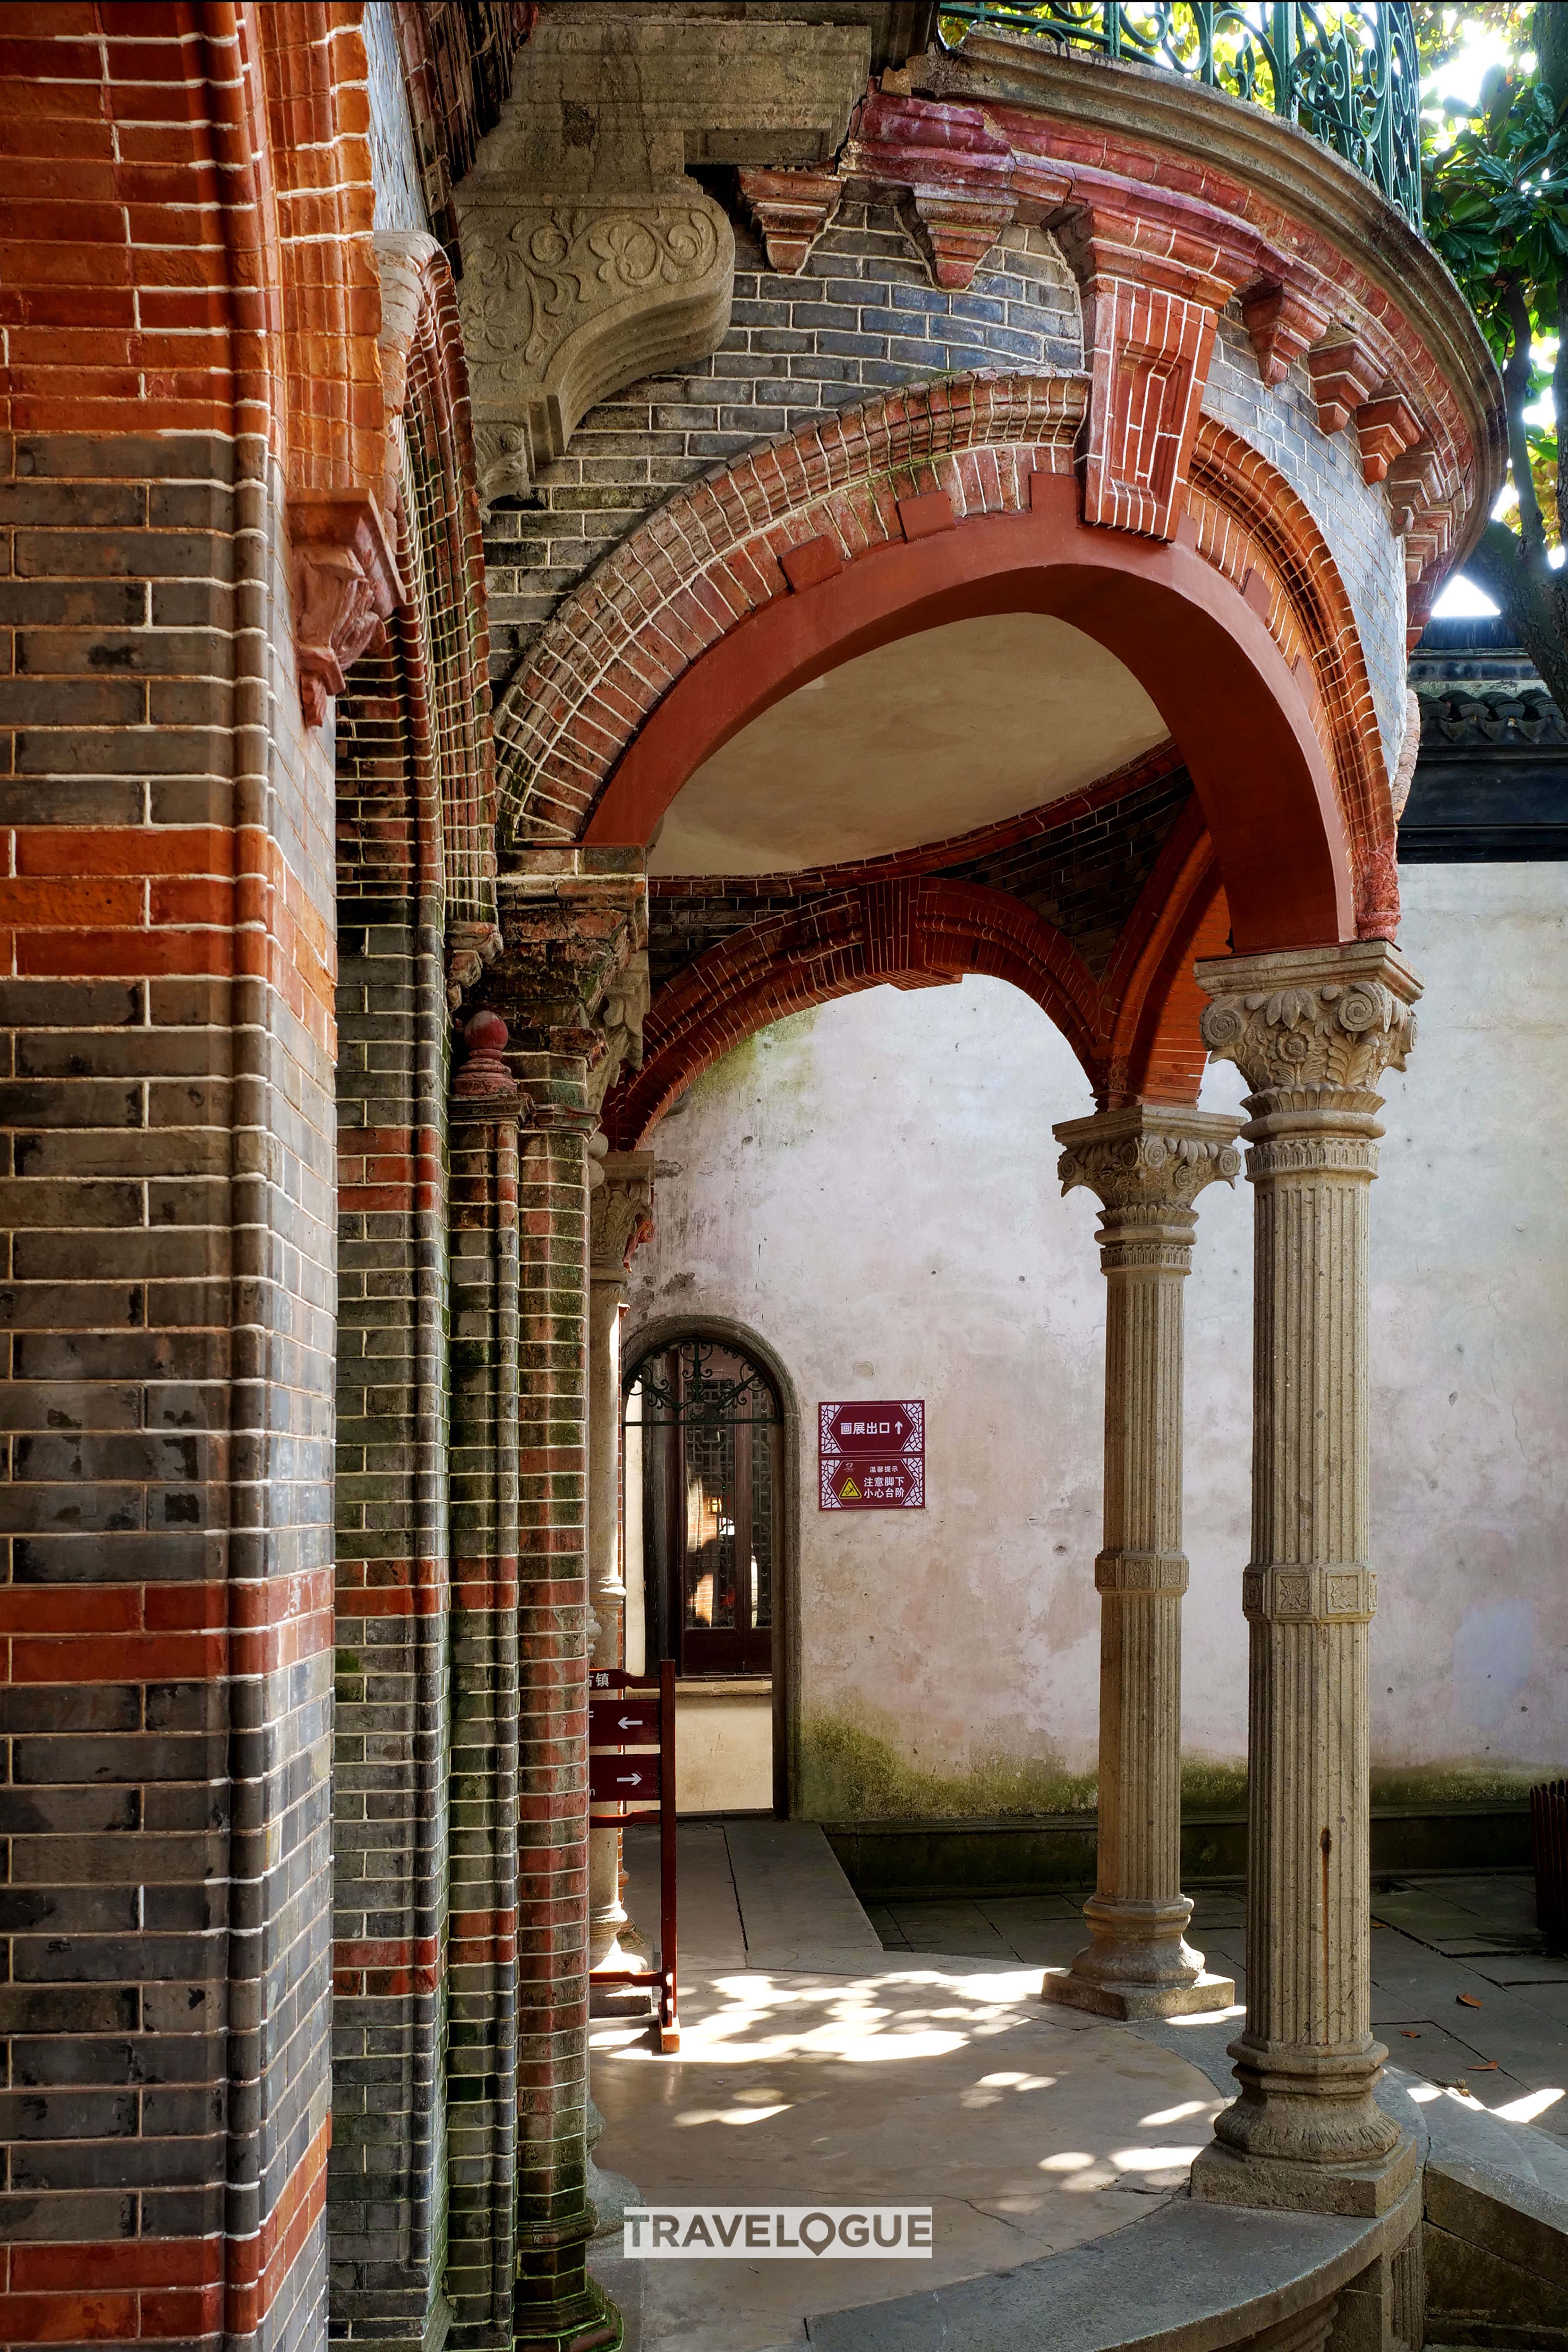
(346, 585)
(1307, 1022)
(791, 210)
(572, 978)
(1148, 1156)
(620, 1211)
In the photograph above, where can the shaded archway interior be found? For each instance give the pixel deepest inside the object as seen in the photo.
(928, 736)
(1199, 651)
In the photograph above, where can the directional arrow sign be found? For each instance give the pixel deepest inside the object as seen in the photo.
(623, 1723)
(623, 1779)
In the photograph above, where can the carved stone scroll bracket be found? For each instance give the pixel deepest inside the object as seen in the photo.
(791, 210)
(589, 257)
(620, 1213)
(563, 303)
(346, 586)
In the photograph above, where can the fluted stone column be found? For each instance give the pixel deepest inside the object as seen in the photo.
(1147, 1165)
(1313, 1030)
(620, 1215)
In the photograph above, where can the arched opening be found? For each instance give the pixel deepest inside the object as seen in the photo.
(710, 1518)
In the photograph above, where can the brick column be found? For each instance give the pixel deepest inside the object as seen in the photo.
(1312, 1031)
(620, 1216)
(481, 1973)
(1147, 1164)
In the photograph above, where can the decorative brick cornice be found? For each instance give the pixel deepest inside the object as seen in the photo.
(953, 170)
(346, 586)
(1160, 247)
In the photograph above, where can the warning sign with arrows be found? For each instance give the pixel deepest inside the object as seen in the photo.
(872, 1456)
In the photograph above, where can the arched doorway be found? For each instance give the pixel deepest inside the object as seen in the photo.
(709, 1460)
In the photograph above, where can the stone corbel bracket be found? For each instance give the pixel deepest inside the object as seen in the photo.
(620, 1209)
(563, 303)
(346, 587)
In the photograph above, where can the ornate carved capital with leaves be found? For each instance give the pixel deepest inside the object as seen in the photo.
(1148, 1156)
(1312, 1019)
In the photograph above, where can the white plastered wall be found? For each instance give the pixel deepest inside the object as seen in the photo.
(872, 1189)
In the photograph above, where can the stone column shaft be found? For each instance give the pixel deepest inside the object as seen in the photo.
(1147, 1165)
(1312, 1031)
(619, 1217)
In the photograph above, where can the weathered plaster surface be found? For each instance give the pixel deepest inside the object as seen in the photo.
(872, 1188)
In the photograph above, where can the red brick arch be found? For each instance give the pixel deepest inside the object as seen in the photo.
(911, 932)
(944, 501)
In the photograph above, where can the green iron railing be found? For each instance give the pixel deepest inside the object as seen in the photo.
(1348, 74)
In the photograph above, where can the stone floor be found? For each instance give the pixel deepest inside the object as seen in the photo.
(817, 2069)
(1464, 1992)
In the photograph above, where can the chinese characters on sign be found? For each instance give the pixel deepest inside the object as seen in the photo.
(872, 1456)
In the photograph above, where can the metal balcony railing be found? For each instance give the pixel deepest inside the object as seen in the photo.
(1348, 74)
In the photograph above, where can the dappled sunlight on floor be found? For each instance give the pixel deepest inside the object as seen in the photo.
(1026, 2128)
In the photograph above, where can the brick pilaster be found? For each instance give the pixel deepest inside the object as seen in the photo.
(483, 1956)
(557, 2304)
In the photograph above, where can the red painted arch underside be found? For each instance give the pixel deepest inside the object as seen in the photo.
(1202, 654)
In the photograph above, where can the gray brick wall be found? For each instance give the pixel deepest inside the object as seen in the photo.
(166, 1302)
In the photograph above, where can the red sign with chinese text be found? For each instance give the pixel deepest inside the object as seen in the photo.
(872, 1456)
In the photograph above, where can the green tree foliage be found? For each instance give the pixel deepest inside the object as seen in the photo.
(1496, 195)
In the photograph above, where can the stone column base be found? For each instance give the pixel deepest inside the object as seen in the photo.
(1278, 2184)
(592, 2324)
(1130, 2002)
